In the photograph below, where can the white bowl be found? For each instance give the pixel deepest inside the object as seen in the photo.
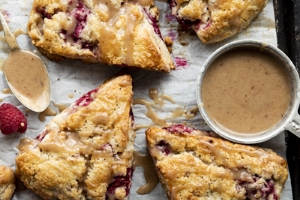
(291, 120)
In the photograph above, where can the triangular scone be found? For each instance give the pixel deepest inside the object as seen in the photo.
(193, 165)
(86, 151)
(116, 32)
(216, 20)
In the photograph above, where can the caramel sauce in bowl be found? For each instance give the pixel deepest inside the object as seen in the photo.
(248, 92)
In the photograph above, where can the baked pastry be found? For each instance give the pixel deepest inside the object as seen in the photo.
(117, 32)
(7, 183)
(86, 151)
(216, 20)
(193, 165)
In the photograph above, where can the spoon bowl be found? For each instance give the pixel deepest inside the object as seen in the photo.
(26, 74)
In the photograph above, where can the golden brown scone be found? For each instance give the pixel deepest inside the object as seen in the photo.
(7, 183)
(86, 151)
(193, 165)
(116, 32)
(216, 20)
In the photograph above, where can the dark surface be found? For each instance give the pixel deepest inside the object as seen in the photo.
(287, 15)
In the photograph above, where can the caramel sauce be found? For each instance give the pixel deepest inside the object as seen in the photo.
(113, 16)
(178, 112)
(241, 174)
(26, 143)
(61, 107)
(125, 83)
(145, 161)
(151, 113)
(47, 112)
(194, 110)
(166, 97)
(23, 142)
(139, 127)
(132, 22)
(27, 77)
(18, 32)
(153, 94)
(246, 91)
(175, 190)
(158, 101)
(253, 152)
(7, 91)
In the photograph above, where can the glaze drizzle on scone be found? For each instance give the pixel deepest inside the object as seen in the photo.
(86, 151)
(216, 20)
(193, 165)
(119, 32)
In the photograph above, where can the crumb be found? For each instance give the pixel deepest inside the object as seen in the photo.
(169, 43)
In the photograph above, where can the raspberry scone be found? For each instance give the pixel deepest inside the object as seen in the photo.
(7, 183)
(216, 20)
(193, 165)
(116, 32)
(86, 151)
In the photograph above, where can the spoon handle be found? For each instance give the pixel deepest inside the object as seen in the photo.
(9, 36)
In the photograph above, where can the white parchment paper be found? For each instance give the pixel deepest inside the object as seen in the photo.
(70, 79)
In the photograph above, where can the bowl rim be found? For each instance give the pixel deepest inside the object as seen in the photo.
(293, 108)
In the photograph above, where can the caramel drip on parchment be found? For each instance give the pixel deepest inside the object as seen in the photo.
(61, 107)
(47, 112)
(158, 101)
(145, 161)
(6, 91)
(17, 32)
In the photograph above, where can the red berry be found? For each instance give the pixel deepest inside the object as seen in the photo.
(11, 119)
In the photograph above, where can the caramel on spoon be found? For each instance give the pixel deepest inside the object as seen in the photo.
(26, 74)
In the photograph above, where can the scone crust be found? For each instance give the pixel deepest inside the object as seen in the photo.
(218, 19)
(84, 148)
(112, 32)
(7, 183)
(200, 166)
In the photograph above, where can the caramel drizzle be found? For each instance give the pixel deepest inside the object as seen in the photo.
(158, 101)
(61, 107)
(17, 32)
(145, 161)
(151, 113)
(255, 153)
(47, 112)
(7, 91)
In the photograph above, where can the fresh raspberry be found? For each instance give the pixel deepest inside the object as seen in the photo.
(11, 119)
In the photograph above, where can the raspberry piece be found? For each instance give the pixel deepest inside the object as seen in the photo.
(164, 147)
(11, 119)
(43, 13)
(179, 128)
(153, 21)
(87, 98)
(120, 181)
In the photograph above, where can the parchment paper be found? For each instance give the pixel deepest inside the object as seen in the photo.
(70, 79)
